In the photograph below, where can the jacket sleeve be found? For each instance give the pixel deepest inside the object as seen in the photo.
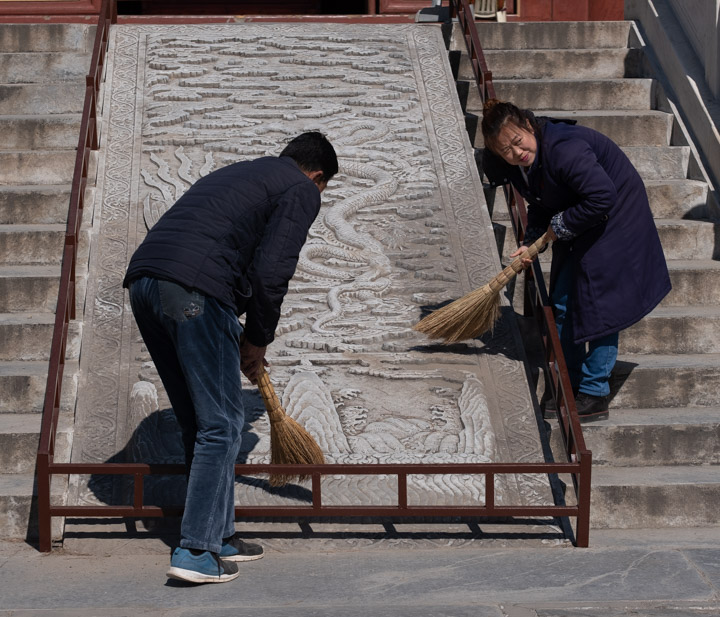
(575, 165)
(276, 258)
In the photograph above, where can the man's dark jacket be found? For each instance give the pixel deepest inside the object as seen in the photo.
(236, 236)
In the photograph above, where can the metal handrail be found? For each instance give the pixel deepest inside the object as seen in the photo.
(65, 309)
(538, 302)
(577, 466)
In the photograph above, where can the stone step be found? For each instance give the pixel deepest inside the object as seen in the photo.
(669, 198)
(25, 288)
(23, 384)
(640, 128)
(31, 244)
(548, 35)
(56, 131)
(27, 337)
(659, 162)
(42, 67)
(47, 37)
(61, 98)
(679, 198)
(18, 510)
(19, 439)
(558, 64)
(642, 381)
(694, 282)
(567, 94)
(34, 204)
(37, 166)
(674, 330)
(654, 497)
(688, 239)
(675, 436)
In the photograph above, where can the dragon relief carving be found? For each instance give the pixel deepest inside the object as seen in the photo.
(398, 231)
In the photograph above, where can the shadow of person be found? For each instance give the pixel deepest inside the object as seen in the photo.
(157, 440)
(620, 374)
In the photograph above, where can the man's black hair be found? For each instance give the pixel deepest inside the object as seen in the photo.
(312, 152)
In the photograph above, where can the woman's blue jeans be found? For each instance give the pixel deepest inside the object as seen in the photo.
(589, 364)
(194, 342)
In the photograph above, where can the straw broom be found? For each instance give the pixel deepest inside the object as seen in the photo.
(290, 443)
(476, 312)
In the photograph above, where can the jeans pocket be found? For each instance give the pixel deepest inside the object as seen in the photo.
(178, 303)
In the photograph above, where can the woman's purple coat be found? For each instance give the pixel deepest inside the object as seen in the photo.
(620, 273)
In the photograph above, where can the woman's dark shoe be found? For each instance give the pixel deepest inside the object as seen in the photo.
(591, 408)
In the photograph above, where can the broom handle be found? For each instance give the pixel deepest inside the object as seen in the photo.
(515, 266)
(270, 399)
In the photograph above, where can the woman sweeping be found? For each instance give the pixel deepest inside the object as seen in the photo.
(608, 269)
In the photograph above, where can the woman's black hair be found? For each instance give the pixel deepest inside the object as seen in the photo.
(497, 114)
(312, 152)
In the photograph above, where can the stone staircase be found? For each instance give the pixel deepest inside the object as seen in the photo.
(656, 457)
(42, 86)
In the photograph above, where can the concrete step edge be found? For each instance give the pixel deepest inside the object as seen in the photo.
(22, 318)
(11, 368)
(29, 423)
(669, 416)
(63, 150)
(34, 271)
(685, 223)
(56, 118)
(574, 82)
(34, 188)
(692, 311)
(23, 484)
(591, 113)
(674, 265)
(659, 475)
(568, 50)
(709, 360)
(29, 227)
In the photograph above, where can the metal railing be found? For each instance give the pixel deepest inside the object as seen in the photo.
(536, 297)
(578, 465)
(65, 309)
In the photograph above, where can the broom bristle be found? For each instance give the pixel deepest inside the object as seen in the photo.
(291, 444)
(465, 318)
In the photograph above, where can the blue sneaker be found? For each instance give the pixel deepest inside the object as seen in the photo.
(205, 567)
(234, 549)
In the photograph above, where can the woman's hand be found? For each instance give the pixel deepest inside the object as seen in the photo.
(526, 262)
(251, 359)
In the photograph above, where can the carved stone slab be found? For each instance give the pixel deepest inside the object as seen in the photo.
(403, 226)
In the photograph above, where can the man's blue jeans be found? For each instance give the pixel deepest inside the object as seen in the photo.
(194, 342)
(589, 364)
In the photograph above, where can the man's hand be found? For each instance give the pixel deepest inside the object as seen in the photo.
(251, 359)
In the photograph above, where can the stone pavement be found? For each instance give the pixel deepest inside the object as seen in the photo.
(633, 572)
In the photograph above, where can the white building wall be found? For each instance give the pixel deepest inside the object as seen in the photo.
(700, 20)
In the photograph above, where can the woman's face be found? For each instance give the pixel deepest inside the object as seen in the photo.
(516, 145)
